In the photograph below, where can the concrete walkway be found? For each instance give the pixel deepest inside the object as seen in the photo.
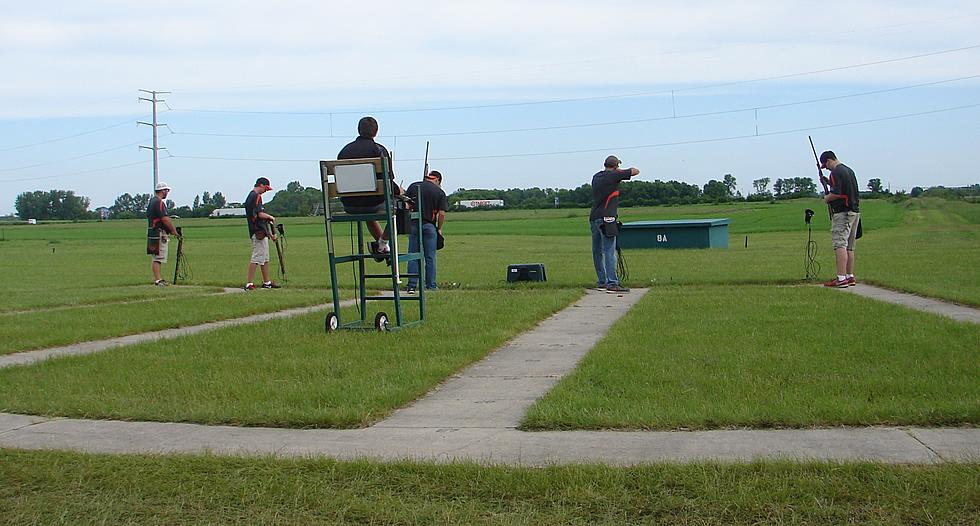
(473, 415)
(29, 357)
(952, 310)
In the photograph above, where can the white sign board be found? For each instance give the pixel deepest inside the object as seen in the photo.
(354, 178)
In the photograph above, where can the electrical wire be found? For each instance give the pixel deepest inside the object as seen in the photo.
(597, 97)
(73, 174)
(70, 158)
(633, 147)
(66, 137)
(597, 124)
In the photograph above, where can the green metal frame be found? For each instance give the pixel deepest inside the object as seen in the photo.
(360, 256)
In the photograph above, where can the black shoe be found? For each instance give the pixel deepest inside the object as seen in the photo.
(376, 253)
(410, 290)
(271, 285)
(616, 289)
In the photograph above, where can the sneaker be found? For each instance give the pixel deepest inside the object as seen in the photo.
(616, 289)
(600, 287)
(161, 283)
(410, 290)
(377, 253)
(250, 286)
(851, 281)
(269, 285)
(835, 283)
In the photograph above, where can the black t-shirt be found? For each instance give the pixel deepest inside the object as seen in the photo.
(605, 193)
(253, 205)
(843, 182)
(433, 199)
(155, 212)
(366, 148)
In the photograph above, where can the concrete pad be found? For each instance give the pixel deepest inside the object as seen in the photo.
(956, 444)
(485, 413)
(629, 448)
(11, 422)
(472, 416)
(951, 310)
(29, 357)
(497, 391)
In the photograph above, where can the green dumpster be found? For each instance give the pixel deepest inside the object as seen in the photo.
(686, 233)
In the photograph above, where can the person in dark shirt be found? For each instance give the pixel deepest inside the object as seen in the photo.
(259, 231)
(844, 201)
(364, 147)
(434, 207)
(603, 217)
(158, 219)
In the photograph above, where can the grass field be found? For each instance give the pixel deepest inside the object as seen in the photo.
(46, 487)
(709, 357)
(725, 338)
(283, 372)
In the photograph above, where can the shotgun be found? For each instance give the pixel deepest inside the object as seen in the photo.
(823, 182)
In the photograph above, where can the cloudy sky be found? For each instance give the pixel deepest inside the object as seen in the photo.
(508, 94)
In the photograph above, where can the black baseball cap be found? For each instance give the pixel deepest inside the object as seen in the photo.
(825, 156)
(612, 161)
(264, 181)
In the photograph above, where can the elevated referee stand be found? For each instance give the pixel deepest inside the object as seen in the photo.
(368, 177)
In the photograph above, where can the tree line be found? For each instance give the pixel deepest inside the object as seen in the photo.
(296, 200)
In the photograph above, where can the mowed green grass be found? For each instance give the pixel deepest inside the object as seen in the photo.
(41, 329)
(700, 357)
(286, 372)
(51, 487)
(926, 246)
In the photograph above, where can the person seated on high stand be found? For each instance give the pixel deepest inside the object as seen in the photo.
(364, 147)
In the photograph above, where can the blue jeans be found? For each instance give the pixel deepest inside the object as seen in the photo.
(603, 255)
(428, 251)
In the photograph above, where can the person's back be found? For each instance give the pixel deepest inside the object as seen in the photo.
(844, 182)
(434, 199)
(365, 147)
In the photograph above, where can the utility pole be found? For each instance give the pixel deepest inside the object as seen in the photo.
(154, 124)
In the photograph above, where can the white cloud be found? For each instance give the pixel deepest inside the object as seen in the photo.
(104, 48)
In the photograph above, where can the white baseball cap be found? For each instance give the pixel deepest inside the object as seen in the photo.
(162, 186)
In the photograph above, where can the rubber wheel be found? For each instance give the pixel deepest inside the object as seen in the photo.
(332, 322)
(381, 321)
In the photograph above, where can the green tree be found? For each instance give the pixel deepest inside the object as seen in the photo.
(129, 206)
(729, 181)
(53, 204)
(716, 191)
(875, 186)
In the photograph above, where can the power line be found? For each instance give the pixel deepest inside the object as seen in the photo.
(594, 98)
(48, 141)
(72, 174)
(70, 158)
(795, 40)
(594, 124)
(635, 147)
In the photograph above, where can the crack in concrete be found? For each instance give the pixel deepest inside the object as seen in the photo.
(917, 439)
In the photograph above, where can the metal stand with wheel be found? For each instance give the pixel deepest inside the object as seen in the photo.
(367, 177)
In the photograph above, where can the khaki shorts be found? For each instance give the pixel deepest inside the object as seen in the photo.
(843, 228)
(161, 257)
(260, 250)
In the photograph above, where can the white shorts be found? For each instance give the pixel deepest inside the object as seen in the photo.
(260, 250)
(161, 257)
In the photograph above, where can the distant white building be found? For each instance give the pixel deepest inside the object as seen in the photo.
(228, 212)
(477, 203)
